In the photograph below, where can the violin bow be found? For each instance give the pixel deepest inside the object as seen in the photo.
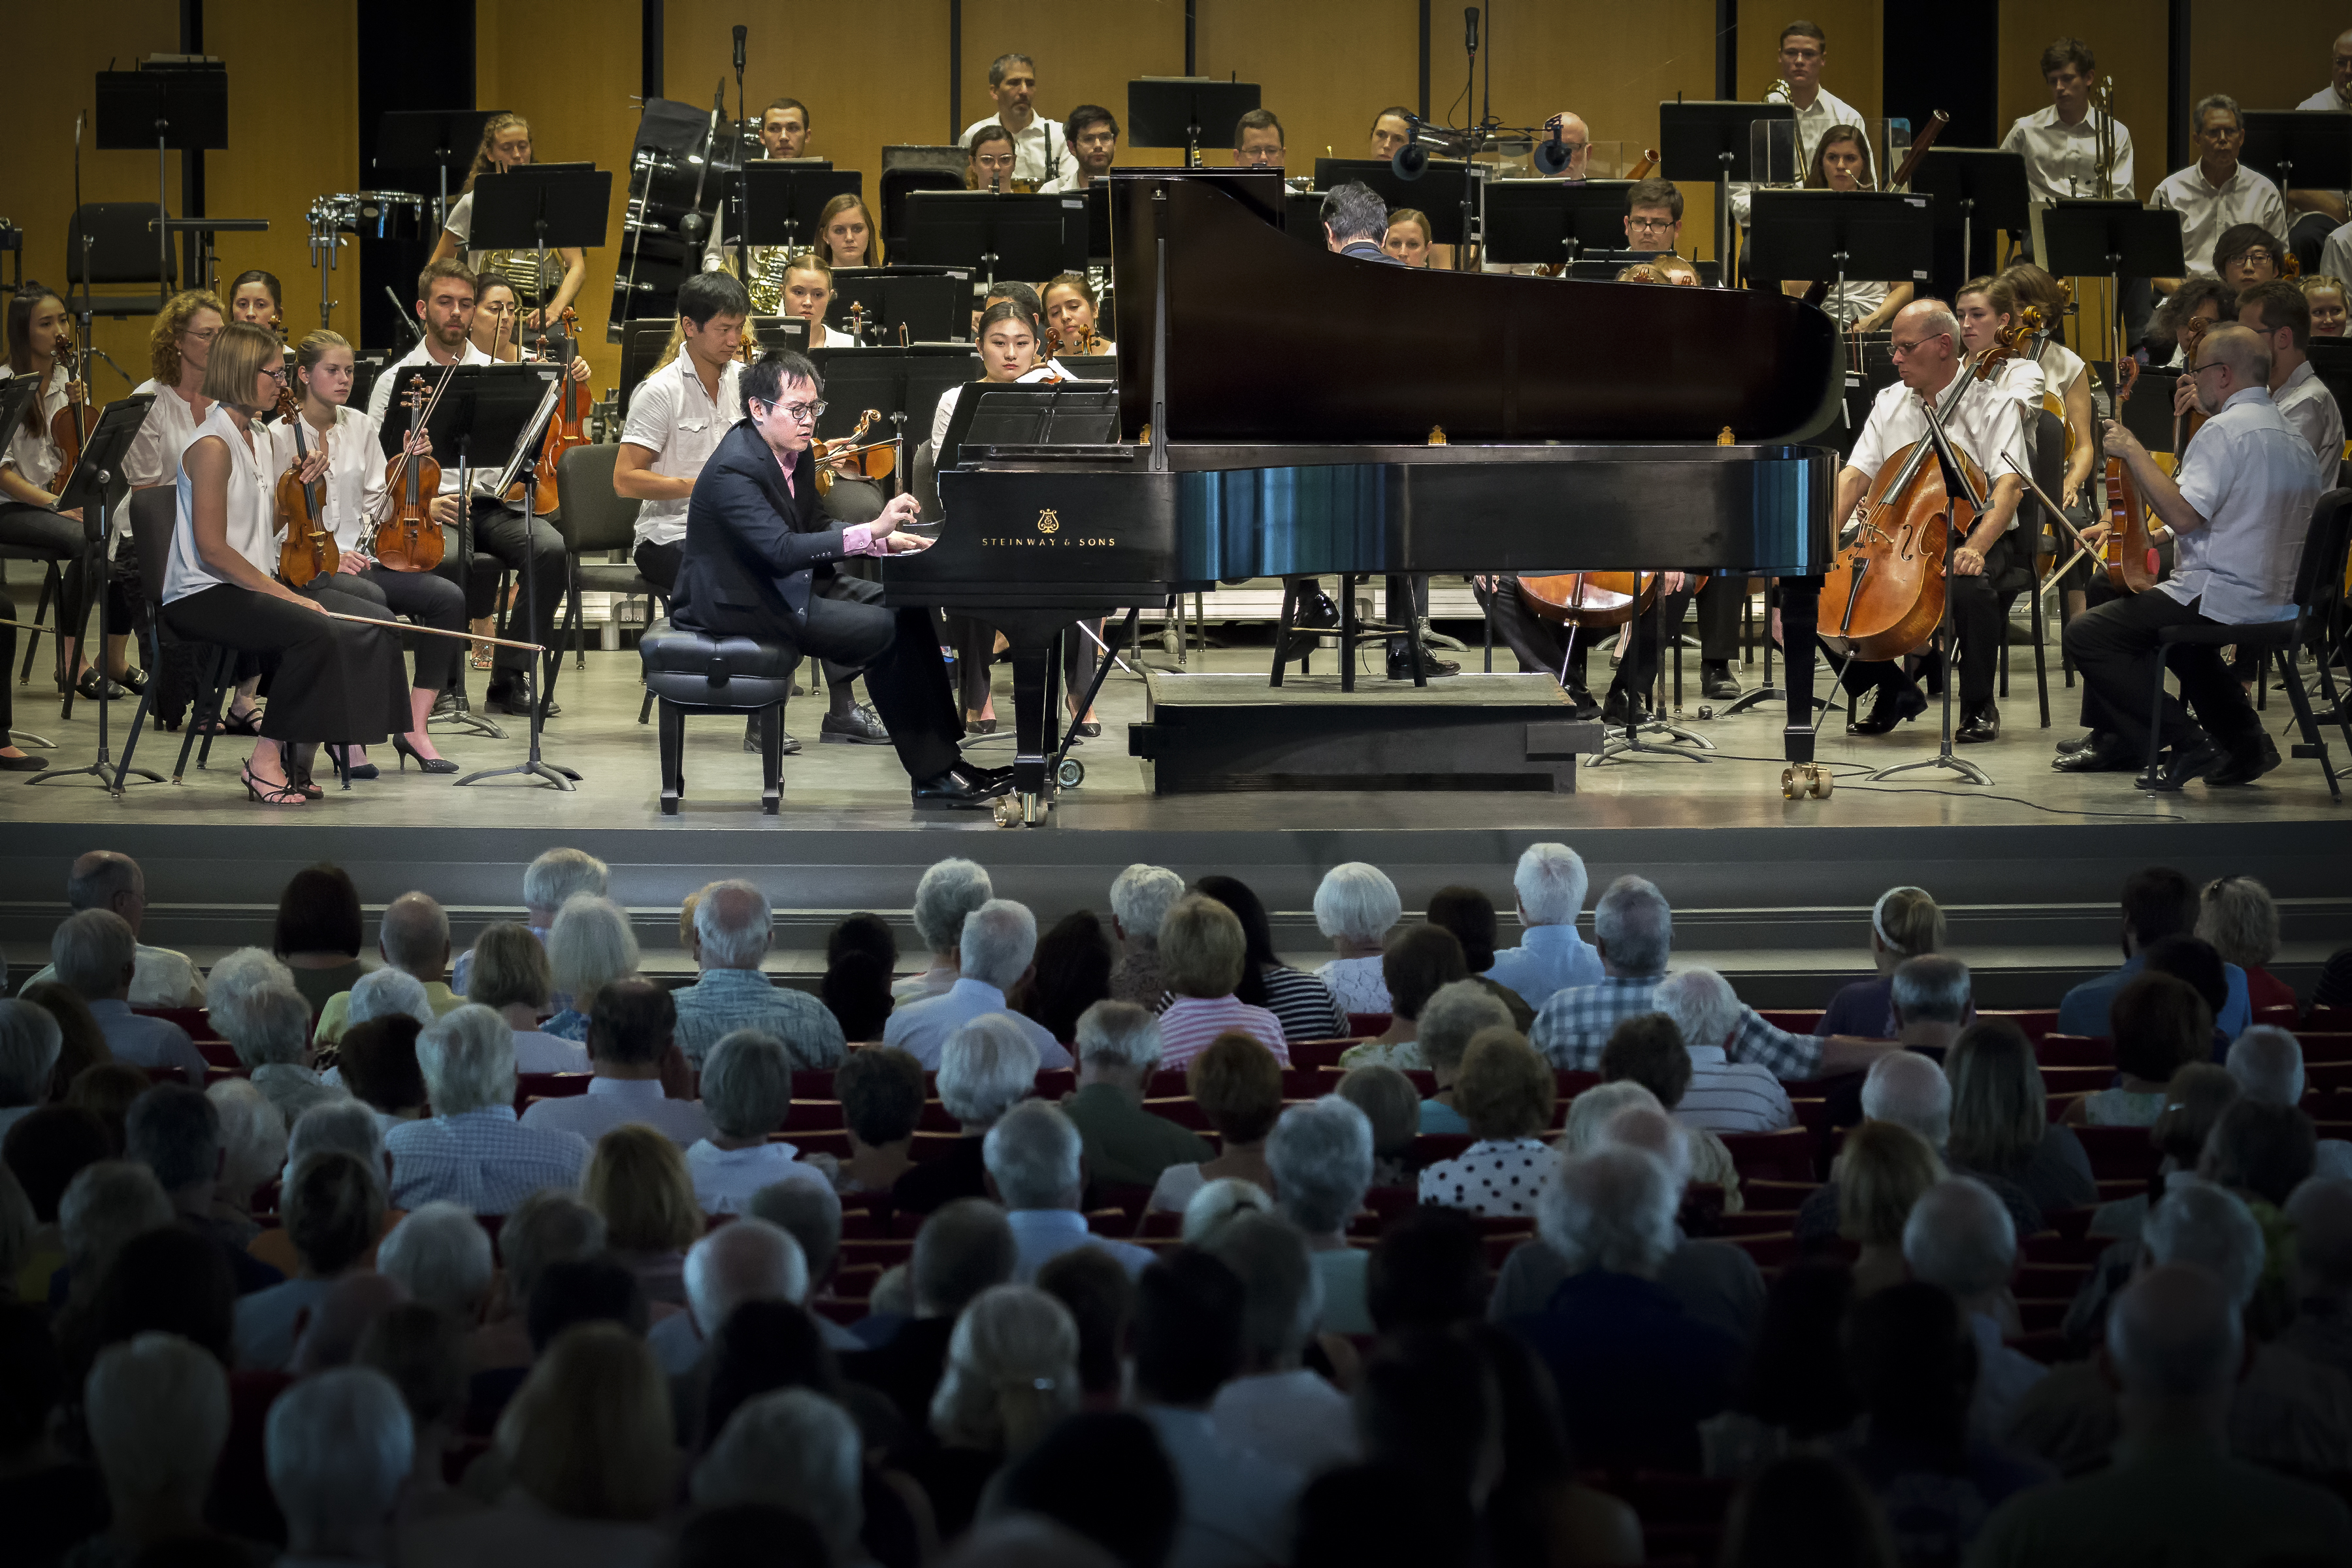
(433, 632)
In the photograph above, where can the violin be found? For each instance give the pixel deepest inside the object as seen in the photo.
(310, 549)
(408, 540)
(873, 461)
(66, 425)
(1597, 599)
(1087, 342)
(566, 429)
(2126, 552)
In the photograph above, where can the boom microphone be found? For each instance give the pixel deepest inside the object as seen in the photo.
(739, 31)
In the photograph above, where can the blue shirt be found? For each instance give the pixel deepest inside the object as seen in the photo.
(1039, 1235)
(2084, 1011)
(725, 1000)
(921, 1029)
(1547, 958)
(1644, 1373)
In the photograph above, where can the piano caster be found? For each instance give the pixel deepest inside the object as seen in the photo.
(1798, 780)
(1070, 775)
(1006, 811)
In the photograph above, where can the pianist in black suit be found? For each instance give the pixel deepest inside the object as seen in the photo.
(759, 562)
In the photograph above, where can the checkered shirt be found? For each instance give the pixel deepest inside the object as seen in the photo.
(1574, 1026)
(480, 1160)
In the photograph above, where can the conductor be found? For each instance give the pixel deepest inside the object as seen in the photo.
(759, 560)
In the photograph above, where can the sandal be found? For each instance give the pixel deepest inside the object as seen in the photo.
(262, 791)
(246, 724)
(485, 657)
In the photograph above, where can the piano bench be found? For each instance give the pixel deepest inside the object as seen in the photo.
(692, 672)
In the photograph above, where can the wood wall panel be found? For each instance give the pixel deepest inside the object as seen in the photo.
(1325, 67)
(1086, 53)
(2276, 65)
(2127, 37)
(1852, 68)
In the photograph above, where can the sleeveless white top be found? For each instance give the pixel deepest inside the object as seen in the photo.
(251, 511)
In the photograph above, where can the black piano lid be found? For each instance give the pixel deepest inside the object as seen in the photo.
(1272, 341)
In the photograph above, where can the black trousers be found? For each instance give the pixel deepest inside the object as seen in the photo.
(1975, 605)
(657, 564)
(428, 597)
(60, 536)
(2115, 647)
(507, 537)
(898, 652)
(7, 661)
(1540, 644)
(329, 681)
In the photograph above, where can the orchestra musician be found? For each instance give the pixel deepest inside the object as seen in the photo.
(332, 681)
(1654, 216)
(2324, 292)
(529, 545)
(784, 128)
(495, 312)
(1007, 291)
(2066, 377)
(1577, 137)
(2238, 509)
(2247, 254)
(1804, 52)
(991, 156)
(506, 144)
(2280, 314)
(339, 445)
(1408, 236)
(1841, 161)
(255, 298)
(2217, 192)
(1070, 307)
(2205, 299)
(2061, 143)
(1986, 309)
(1041, 148)
(2322, 211)
(845, 233)
(1257, 140)
(757, 560)
(1391, 129)
(1092, 135)
(1985, 425)
(808, 294)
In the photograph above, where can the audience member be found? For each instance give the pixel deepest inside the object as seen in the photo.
(50, 1501)
(2321, 1212)
(1356, 907)
(987, 1065)
(334, 1210)
(734, 929)
(1882, 1172)
(1117, 1045)
(388, 994)
(1099, 1293)
(760, 1347)
(81, 1043)
(1035, 1170)
(1724, 1096)
(590, 1290)
(107, 1091)
(631, 1034)
(1469, 915)
(1960, 1238)
(1430, 1414)
(1141, 898)
(1011, 1372)
(589, 946)
(547, 882)
(1792, 1394)
(273, 1041)
(511, 976)
(637, 1180)
(792, 1450)
(2174, 1491)
(238, 975)
(1191, 1319)
(2237, 916)
(1320, 1157)
(809, 1213)
(748, 1260)
(1104, 1475)
(881, 1094)
(1238, 1084)
(1647, 1049)
(176, 1132)
(413, 939)
(1417, 962)
(30, 1042)
(747, 1091)
(552, 1225)
(2158, 902)
(1454, 1016)
(157, 1411)
(340, 1448)
(1305, 1004)
(1428, 1271)
(2194, 1102)
(1220, 1200)
(318, 933)
(1808, 1509)
(859, 954)
(1277, 1406)
(1551, 882)
(377, 1062)
(963, 1249)
(161, 1280)
(44, 1152)
(332, 1338)
(1506, 1094)
(746, 1532)
(2159, 1026)
(93, 955)
(1645, 1373)
(1912, 1092)
(1538, 1512)
(2193, 959)
(2001, 1124)
(1000, 938)
(441, 1257)
(1905, 923)
(107, 880)
(1393, 1105)
(253, 1153)
(472, 1150)
(1070, 974)
(1932, 1004)
(2261, 1153)
(948, 892)
(1202, 957)
(424, 1353)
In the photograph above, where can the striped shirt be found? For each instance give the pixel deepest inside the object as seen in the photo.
(1305, 1004)
(1191, 1023)
(1725, 1096)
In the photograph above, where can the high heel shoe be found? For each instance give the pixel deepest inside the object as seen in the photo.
(351, 770)
(428, 764)
(264, 793)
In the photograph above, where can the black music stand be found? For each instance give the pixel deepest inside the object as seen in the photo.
(1956, 485)
(1707, 140)
(1969, 183)
(437, 139)
(783, 199)
(903, 384)
(540, 208)
(1872, 235)
(911, 304)
(1602, 265)
(1028, 235)
(1553, 221)
(97, 487)
(1439, 191)
(183, 110)
(1185, 110)
(2309, 151)
(2117, 239)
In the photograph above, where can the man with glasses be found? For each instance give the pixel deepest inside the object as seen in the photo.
(1094, 139)
(2216, 193)
(1041, 148)
(1804, 51)
(1985, 423)
(2238, 509)
(760, 562)
(1257, 140)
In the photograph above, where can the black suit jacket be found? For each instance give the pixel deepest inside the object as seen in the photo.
(753, 554)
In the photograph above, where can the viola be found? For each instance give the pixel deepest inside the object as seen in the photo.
(310, 548)
(873, 461)
(566, 430)
(408, 540)
(2126, 552)
(1590, 599)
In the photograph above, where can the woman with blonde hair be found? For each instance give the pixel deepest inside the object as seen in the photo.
(2238, 916)
(1881, 1172)
(846, 234)
(506, 144)
(2001, 1120)
(2326, 296)
(509, 972)
(638, 1181)
(591, 944)
(1904, 923)
(1012, 1373)
(1203, 953)
(1408, 236)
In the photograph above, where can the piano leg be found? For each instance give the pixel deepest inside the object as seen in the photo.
(1799, 617)
(1036, 679)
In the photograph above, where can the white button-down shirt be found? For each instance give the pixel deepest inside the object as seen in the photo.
(726, 1179)
(1547, 958)
(2063, 160)
(1826, 110)
(2020, 379)
(2310, 411)
(32, 452)
(480, 1160)
(1986, 424)
(672, 417)
(171, 425)
(612, 1102)
(2208, 211)
(921, 1029)
(380, 398)
(1041, 152)
(147, 1042)
(355, 468)
(2253, 480)
(1039, 1235)
(2062, 367)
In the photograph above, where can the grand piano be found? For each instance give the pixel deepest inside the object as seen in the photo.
(1283, 409)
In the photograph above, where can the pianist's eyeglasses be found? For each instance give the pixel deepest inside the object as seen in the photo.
(799, 413)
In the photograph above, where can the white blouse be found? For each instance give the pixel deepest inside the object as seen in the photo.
(1499, 1177)
(251, 515)
(154, 454)
(355, 468)
(32, 452)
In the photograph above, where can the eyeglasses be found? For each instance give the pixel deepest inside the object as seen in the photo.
(1650, 223)
(799, 413)
(1899, 349)
(203, 336)
(277, 374)
(2257, 257)
(2197, 369)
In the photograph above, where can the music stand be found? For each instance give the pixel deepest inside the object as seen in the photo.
(99, 484)
(1029, 235)
(1602, 265)
(903, 384)
(775, 332)
(437, 139)
(2281, 142)
(1099, 221)
(1875, 235)
(1970, 182)
(542, 208)
(781, 198)
(1440, 191)
(1705, 141)
(1185, 110)
(916, 304)
(1553, 221)
(181, 110)
(2117, 239)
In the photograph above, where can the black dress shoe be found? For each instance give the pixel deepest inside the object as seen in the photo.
(1983, 725)
(2245, 764)
(1620, 709)
(2106, 754)
(1313, 609)
(514, 704)
(2192, 759)
(133, 680)
(972, 788)
(1715, 680)
(1892, 706)
(786, 746)
(2082, 743)
(861, 726)
(22, 764)
(91, 683)
(1403, 650)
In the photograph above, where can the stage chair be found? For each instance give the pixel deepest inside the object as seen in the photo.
(152, 514)
(690, 673)
(52, 596)
(594, 521)
(121, 250)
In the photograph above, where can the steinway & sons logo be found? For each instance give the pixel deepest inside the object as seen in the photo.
(1049, 535)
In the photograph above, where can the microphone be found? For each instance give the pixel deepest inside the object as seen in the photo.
(740, 31)
(1470, 29)
(1411, 158)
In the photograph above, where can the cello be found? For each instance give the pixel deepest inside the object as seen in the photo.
(2125, 552)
